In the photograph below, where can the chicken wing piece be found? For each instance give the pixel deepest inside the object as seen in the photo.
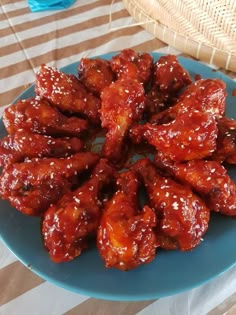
(39, 116)
(208, 178)
(226, 141)
(95, 74)
(169, 78)
(66, 93)
(32, 186)
(27, 145)
(122, 104)
(129, 64)
(68, 225)
(182, 216)
(205, 95)
(156, 101)
(126, 237)
(169, 75)
(192, 135)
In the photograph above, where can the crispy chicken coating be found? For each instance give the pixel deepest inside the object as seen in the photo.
(169, 78)
(156, 101)
(208, 178)
(205, 95)
(129, 64)
(66, 93)
(192, 135)
(126, 237)
(182, 216)
(122, 105)
(68, 225)
(37, 115)
(169, 75)
(95, 74)
(226, 141)
(32, 186)
(24, 145)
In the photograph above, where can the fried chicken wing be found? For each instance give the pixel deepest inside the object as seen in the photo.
(27, 145)
(32, 186)
(129, 64)
(122, 104)
(156, 101)
(182, 216)
(169, 75)
(68, 225)
(169, 78)
(205, 95)
(95, 74)
(226, 141)
(126, 237)
(208, 178)
(38, 116)
(66, 93)
(192, 135)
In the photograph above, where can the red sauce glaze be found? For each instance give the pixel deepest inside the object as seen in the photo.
(126, 235)
(182, 216)
(95, 74)
(169, 75)
(27, 145)
(122, 104)
(206, 95)
(69, 224)
(132, 65)
(198, 77)
(226, 141)
(192, 135)
(32, 186)
(207, 178)
(66, 93)
(37, 115)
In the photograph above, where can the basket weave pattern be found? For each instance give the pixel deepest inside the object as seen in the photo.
(204, 29)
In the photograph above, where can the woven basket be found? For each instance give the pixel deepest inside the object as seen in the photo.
(203, 29)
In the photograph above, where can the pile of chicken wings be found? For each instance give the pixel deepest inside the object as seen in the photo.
(176, 124)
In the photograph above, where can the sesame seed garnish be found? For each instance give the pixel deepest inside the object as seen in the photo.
(76, 199)
(175, 205)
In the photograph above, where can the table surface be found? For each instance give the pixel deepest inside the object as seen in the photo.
(59, 38)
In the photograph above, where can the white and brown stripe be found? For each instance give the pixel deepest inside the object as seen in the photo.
(23, 291)
(28, 40)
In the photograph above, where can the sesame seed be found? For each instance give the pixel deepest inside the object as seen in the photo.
(175, 205)
(76, 199)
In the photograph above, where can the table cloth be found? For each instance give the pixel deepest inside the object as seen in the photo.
(59, 38)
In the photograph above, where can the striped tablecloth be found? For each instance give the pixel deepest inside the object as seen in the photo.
(59, 38)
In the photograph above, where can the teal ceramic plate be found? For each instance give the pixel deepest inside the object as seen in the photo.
(170, 273)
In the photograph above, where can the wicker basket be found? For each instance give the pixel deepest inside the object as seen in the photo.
(203, 29)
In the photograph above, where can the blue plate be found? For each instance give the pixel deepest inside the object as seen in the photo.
(170, 273)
